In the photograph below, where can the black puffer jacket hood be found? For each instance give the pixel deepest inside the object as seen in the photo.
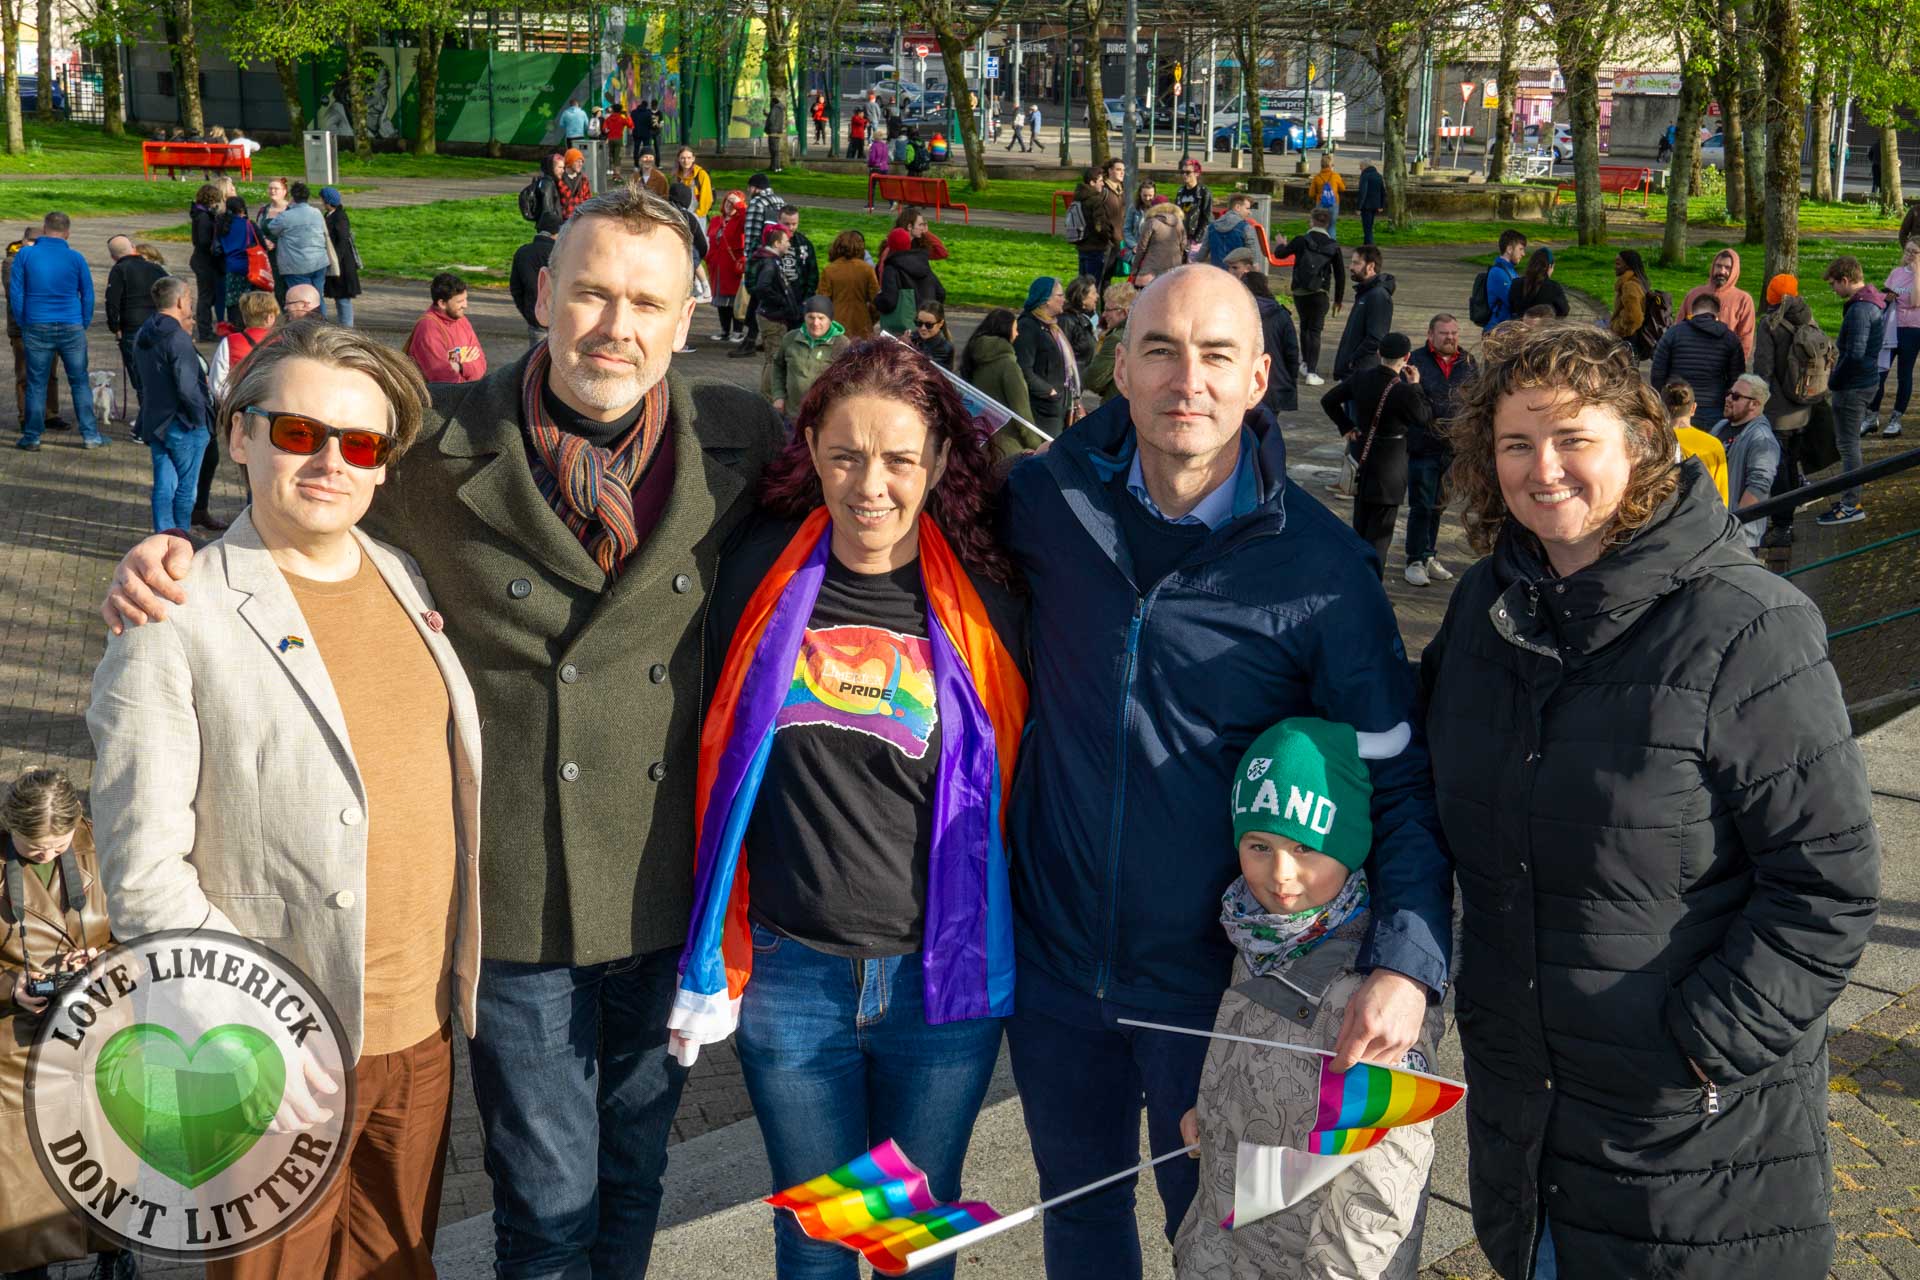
(1664, 884)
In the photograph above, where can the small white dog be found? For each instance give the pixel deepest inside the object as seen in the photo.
(102, 381)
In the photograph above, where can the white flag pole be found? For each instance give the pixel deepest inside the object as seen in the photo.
(948, 1247)
(1278, 1044)
(962, 382)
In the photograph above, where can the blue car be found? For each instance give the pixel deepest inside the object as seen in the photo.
(1279, 134)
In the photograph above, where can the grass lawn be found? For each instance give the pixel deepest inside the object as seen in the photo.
(61, 148)
(25, 200)
(477, 239)
(1824, 217)
(1590, 270)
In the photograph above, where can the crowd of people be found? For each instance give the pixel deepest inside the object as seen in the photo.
(797, 714)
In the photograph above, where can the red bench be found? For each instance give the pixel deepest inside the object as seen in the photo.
(1617, 180)
(926, 192)
(195, 155)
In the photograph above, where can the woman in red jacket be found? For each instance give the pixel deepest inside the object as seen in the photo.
(727, 257)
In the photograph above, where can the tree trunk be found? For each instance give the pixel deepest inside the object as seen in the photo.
(1726, 85)
(1780, 46)
(1393, 143)
(107, 55)
(1505, 80)
(1096, 86)
(953, 53)
(1250, 95)
(9, 21)
(43, 105)
(1889, 168)
(189, 86)
(780, 55)
(427, 79)
(1754, 118)
(1685, 169)
(357, 90)
(1583, 112)
(288, 72)
(1823, 96)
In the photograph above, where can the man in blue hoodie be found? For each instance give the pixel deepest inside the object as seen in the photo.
(1186, 596)
(1856, 372)
(1501, 275)
(50, 294)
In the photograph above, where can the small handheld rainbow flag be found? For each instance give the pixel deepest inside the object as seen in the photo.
(1359, 1105)
(880, 1204)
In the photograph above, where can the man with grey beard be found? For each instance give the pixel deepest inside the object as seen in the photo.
(575, 607)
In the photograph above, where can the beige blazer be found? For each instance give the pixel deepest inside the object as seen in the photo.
(225, 793)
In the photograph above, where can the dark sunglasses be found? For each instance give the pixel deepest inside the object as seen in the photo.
(925, 324)
(298, 434)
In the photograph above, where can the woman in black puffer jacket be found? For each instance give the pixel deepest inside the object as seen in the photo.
(1673, 868)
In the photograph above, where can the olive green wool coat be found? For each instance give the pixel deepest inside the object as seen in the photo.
(590, 694)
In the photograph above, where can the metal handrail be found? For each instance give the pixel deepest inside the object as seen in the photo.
(1792, 500)
(1847, 555)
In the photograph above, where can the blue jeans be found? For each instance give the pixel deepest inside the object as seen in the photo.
(838, 1057)
(1094, 262)
(1083, 1080)
(1423, 507)
(1849, 411)
(1546, 1261)
(577, 1095)
(42, 342)
(318, 279)
(176, 475)
(342, 311)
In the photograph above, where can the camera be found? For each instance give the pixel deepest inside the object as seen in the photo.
(50, 986)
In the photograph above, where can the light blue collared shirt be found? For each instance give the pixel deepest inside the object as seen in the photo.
(1234, 496)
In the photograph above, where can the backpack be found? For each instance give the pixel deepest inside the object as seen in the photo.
(1313, 268)
(533, 199)
(1655, 320)
(1221, 243)
(1328, 200)
(1076, 222)
(1479, 310)
(1811, 356)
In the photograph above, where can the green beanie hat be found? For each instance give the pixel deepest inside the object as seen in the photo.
(1304, 779)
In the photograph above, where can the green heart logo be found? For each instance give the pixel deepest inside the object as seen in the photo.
(189, 1112)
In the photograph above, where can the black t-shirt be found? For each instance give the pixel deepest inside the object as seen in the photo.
(837, 845)
(1157, 546)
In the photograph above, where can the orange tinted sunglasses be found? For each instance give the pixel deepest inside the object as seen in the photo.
(296, 433)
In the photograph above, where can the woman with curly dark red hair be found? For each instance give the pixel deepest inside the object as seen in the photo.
(853, 769)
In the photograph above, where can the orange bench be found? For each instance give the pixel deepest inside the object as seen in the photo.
(1617, 180)
(925, 192)
(195, 155)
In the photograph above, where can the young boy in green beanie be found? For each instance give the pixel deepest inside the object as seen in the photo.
(1297, 916)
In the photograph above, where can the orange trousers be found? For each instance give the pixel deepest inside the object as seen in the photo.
(377, 1220)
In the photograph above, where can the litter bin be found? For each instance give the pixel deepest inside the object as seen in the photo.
(323, 160)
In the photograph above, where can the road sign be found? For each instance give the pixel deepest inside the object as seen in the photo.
(921, 51)
(1176, 88)
(1466, 91)
(993, 67)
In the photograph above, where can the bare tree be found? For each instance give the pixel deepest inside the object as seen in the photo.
(1780, 49)
(1585, 34)
(1754, 117)
(1506, 82)
(1726, 87)
(1823, 96)
(955, 34)
(1694, 39)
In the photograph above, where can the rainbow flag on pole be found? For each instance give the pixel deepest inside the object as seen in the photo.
(1357, 1108)
(879, 1203)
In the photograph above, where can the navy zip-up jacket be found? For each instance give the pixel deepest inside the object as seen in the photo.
(1145, 698)
(173, 379)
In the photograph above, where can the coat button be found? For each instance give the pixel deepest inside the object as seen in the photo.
(569, 771)
(342, 900)
(1304, 1012)
(519, 588)
(1529, 984)
(350, 816)
(1553, 1188)
(1549, 1082)
(657, 770)
(1523, 868)
(657, 673)
(569, 673)
(682, 583)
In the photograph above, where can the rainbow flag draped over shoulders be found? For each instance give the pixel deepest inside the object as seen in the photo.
(879, 1203)
(982, 702)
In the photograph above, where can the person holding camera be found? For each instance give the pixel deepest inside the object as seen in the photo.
(53, 922)
(1376, 408)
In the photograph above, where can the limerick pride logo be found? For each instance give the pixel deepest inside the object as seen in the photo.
(187, 1095)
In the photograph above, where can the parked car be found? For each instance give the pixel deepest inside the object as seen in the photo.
(1117, 115)
(1278, 134)
(1713, 151)
(908, 94)
(1188, 115)
(30, 95)
(1561, 145)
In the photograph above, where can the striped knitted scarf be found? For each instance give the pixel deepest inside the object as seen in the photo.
(588, 487)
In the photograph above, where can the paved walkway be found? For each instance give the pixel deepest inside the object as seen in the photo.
(66, 515)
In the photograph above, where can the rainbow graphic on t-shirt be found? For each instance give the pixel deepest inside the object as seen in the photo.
(865, 679)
